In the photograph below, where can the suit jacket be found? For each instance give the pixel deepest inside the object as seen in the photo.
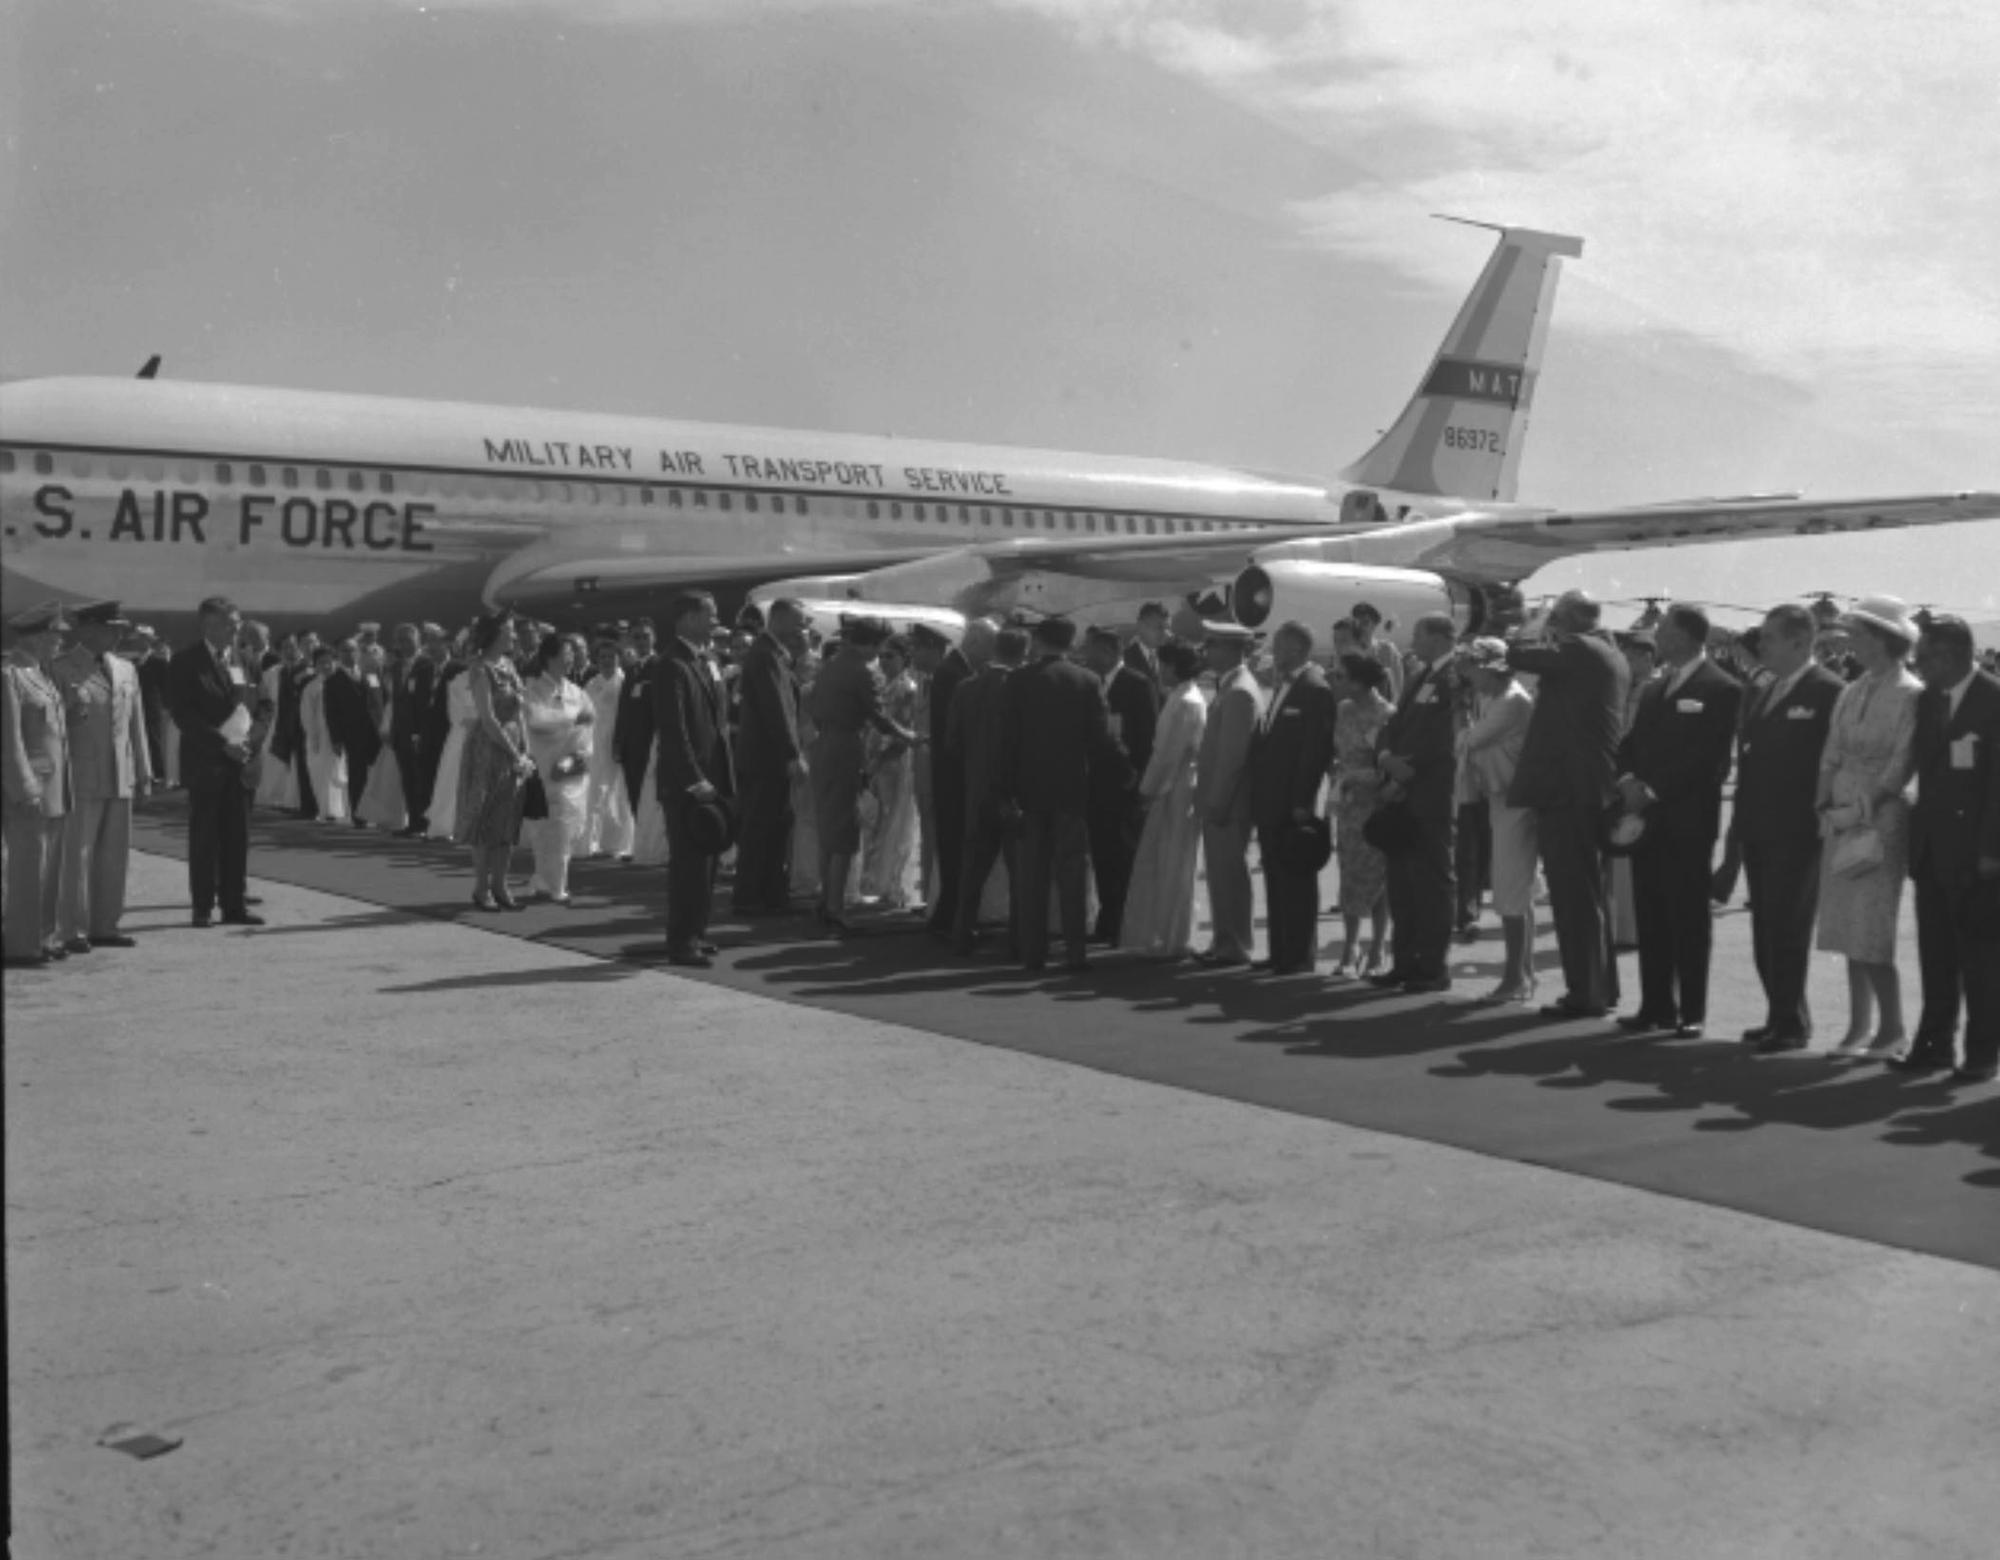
(638, 717)
(768, 700)
(413, 685)
(1055, 732)
(1135, 714)
(1570, 758)
(954, 672)
(1291, 749)
(201, 695)
(153, 687)
(1222, 771)
(106, 721)
(1146, 664)
(1956, 819)
(348, 719)
(973, 734)
(689, 715)
(1778, 747)
(34, 744)
(1679, 748)
(1423, 728)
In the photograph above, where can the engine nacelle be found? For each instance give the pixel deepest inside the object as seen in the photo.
(1320, 594)
(827, 600)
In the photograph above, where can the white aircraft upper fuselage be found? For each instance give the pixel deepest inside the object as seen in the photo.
(321, 510)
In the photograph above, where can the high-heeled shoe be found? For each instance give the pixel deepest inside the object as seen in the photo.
(506, 901)
(483, 901)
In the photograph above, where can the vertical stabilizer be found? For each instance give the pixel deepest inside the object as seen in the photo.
(1461, 434)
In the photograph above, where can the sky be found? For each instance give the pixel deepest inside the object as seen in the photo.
(1175, 228)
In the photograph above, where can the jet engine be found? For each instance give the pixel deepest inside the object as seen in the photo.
(1320, 594)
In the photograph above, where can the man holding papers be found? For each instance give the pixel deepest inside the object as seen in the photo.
(209, 695)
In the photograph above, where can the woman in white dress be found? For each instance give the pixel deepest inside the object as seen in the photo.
(326, 766)
(1491, 748)
(459, 708)
(889, 851)
(561, 720)
(609, 829)
(277, 778)
(1864, 772)
(649, 828)
(1159, 905)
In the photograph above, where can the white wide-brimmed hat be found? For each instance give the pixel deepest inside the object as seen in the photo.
(1887, 613)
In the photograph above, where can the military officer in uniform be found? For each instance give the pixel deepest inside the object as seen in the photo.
(34, 779)
(109, 765)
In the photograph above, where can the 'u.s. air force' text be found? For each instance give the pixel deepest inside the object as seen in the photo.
(557, 455)
(183, 515)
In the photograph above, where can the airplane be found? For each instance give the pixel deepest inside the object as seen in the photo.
(315, 509)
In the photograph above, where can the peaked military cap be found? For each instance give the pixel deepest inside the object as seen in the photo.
(98, 614)
(924, 634)
(1228, 634)
(48, 618)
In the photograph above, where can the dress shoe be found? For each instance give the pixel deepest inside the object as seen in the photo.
(1985, 1072)
(1219, 960)
(245, 919)
(1425, 985)
(203, 919)
(483, 901)
(78, 945)
(690, 958)
(1752, 1036)
(1690, 1031)
(1567, 1009)
(27, 961)
(1389, 979)
(1640, 1023)
(709, 948)
(112, 940)
(1783, 1045)
(56, 951)
(1921, 1059)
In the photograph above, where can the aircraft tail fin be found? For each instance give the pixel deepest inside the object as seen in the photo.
(1461, 434)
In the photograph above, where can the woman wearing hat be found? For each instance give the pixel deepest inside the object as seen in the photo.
(1492, 749)
(1360, 683)
(846, 703)
(1865, 819)
(560, 721)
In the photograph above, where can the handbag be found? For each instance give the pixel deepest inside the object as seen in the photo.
(534, 797)
(1856, 853)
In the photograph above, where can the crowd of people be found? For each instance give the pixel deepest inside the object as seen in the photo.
(1061, 788)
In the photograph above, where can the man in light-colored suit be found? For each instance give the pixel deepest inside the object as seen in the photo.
(109, 765)
(1222, 791)
(34, 780)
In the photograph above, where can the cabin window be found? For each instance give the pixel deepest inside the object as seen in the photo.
(895, 511)
(156, 471)
(323, 480)
(722, 501)
(799, 506)
(357, 482)
(1069, 521)
(592, 493)
(645, 495)
(1152, 526)
(43, 464)
(673, 498)
(386, 483)
(917, 510)
(290, 476)
(257, 476)
(750, 503)
(79, 466)
(223, 475)
(6, 460)
(190, 473)
(874, 510)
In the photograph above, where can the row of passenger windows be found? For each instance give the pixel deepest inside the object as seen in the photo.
(256, 475)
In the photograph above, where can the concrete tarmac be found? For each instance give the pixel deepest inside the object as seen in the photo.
(424, 1241)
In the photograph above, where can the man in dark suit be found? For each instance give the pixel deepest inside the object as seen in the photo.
(1117, 816)
(949, 667)
(1056, 730)
(351, 722)
(1418, 752)
(1955, 855)
(434, 715)
(1143, 653)
(696, 768)
(412, 678)
(210, 697)
(1290, 748)
(1773, 823)
(632, 736)
(1565, 774)
(1674, 760)
(768, 759)
(972, 743)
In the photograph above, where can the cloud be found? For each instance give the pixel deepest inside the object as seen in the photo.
(1807, 186)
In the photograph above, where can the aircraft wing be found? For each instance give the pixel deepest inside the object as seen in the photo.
(1506, 548)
